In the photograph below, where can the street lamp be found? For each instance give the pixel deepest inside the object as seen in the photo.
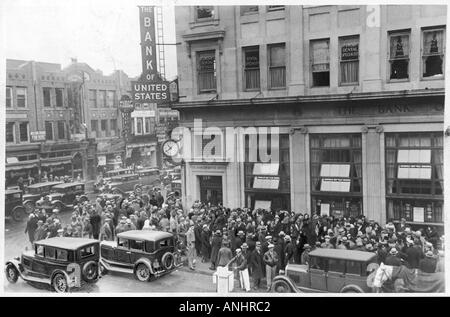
(126, 107)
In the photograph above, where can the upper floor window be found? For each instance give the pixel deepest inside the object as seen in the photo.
(251, 68)
(349, 59)
(433, 52)
(93, 98)
(9, 98)
(102, 98)
(275, 8)
(59, 97)
(24, 132)
(113, 127)
(139, 126)
(10, 132)
(21, 93)
(47, 97)
(320, 62)
(94, 128)
(277, 66)
(206, 71)
(48, 130)
(111, 97)
(399, 55)
(249, 9)
(61, 130)
(103, 127)
(204, 13)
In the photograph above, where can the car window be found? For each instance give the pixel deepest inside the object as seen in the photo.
(122, 242)
(40, 250)
(317, 263)
(353, 267)
(87, 251)
(149, 246)
(335, 265)
(137, 245)
(49, 253)
(62, 255)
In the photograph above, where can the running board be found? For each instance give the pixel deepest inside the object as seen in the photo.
(28, 278)
(114, 268)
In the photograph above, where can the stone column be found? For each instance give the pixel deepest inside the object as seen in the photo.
(299, 161)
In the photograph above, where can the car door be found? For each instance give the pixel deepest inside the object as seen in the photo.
(317, 273)
(38, 265)
(335, 275)
(355, 274)
(137, 250)
(122, 253)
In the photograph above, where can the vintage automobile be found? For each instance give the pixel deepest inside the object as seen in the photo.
(36, 191)
(125, 181)
(146, 254)
(14, 204)
(329, 270)
(63, 263)
(63, 196)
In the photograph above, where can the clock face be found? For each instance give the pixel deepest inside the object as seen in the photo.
(170, 148)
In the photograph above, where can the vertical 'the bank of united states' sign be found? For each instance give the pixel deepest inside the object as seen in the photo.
(150, 88)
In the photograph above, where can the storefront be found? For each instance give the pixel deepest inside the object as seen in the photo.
(211, 190)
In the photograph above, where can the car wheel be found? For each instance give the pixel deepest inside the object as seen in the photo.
(168, 261)
(102, 269)
(281, 287)
(90, 272)
(11, 273)
(29, 207)
(351, 289)
(142, 273)
(60, 284)
(18, 214)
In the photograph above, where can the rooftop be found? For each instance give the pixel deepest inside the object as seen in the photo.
(66, 185)
(37, 185)
(145, 235)
(66, 243)
(351, 255)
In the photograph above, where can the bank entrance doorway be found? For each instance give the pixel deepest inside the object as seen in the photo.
(211, 190)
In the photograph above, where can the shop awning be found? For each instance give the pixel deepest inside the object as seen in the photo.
(56, 163)
(16, 166)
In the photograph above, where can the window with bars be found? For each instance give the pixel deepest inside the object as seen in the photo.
(9, 99)
(61, 130)
(399, 55)
(47, 97)
(203, 13)
(251, 68)
(48, 130)
(23, 132)
(433, 48)
(248, 9)
(59, 97)
(10, 132)
(336, 174)
(414, 176)
(320, 62)
(349, 60)
(21, 93)
(92, 98)
(277, 66)
(206, 71)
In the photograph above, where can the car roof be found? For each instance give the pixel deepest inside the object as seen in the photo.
(351, 255)
(66, 185)
(12, 191)
(145, 235)
(37, 185)
(66, 242)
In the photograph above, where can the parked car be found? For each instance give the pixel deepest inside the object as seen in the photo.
(14, 204)
(146, 254)
(328, 270)
(63, 196)
(63, 263)
(35, 192)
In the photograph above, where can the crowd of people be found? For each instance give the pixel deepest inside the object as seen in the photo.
(258, 244)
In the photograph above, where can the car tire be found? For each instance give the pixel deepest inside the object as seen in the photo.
(12, 274)
(29, 207)
(18, 214)
(168, 261)
(60, 284)
(351, 289)
(142, 272)
(281, 287)
(90, 272)
(102, 270)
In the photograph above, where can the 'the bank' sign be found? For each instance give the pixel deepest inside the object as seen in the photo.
(155, 91)
(148, 44)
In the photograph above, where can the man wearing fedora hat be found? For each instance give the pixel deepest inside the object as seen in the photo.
(271, 260)
(256, 265)
(216, 243)
(393, 259)
(429, 263)
(242, 269)
(190, 240)
(305, 254)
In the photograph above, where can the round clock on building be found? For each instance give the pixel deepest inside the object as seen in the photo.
(170, 148)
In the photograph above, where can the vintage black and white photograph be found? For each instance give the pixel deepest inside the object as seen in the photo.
(220, 149)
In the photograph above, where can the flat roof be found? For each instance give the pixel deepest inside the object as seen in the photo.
(37, 185)
(65, 185)
(352, 255)
(145, 235)
(66, 242)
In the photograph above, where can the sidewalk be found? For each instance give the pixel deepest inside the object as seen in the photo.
(203, 268)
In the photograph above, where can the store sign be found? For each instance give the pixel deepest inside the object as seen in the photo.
(266, 182)
(37, 136)
(349, 52)
(155, 91)
(148, 42)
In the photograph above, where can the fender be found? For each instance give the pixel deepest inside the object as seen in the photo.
(352, 287)
(288, 281)
(54, 202)
(69, 280)
(30, 201)
(17, 265)
(146, 262)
